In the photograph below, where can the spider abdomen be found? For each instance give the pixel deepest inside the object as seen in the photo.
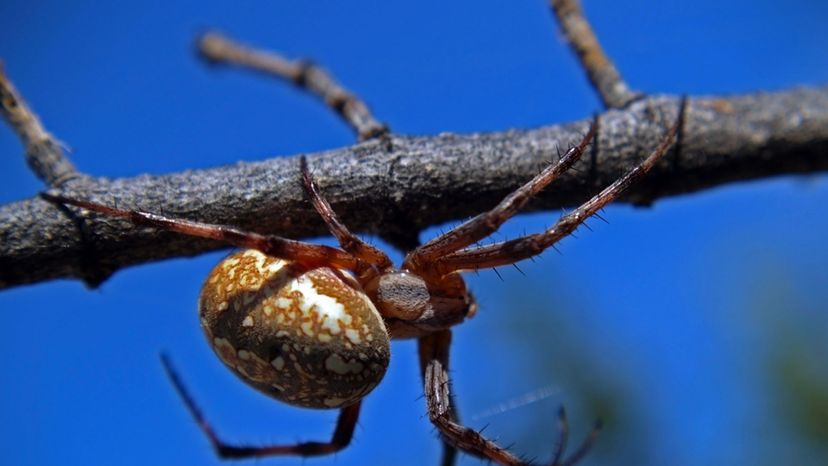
(310, 338)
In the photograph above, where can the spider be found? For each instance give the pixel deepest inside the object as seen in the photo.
(310, 325)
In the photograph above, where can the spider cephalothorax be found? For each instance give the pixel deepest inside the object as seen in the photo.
(310, 324)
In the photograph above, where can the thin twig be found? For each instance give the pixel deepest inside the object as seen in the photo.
(218, 49)
(601, 72)
(43, 152)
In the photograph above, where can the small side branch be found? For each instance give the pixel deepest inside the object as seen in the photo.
(220, 50)
(43, 152)
(601, 72)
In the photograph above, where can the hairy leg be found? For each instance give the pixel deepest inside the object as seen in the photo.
(340, 439)
(434, 356)
(487, 223)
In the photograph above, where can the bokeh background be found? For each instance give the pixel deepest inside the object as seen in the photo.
(696, 329)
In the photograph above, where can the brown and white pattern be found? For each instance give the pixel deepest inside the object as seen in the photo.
(307, 337)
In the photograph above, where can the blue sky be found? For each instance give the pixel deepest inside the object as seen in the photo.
(674, 322)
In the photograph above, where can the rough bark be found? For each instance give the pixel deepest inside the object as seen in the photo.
(396, 186)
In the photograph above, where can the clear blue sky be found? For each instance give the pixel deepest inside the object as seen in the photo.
(674, 322)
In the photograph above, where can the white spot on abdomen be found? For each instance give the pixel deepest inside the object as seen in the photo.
(353, 336)
(336, 364)
(330, 310)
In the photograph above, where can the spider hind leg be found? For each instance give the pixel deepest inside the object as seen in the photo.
(434, 357)
(341, 437)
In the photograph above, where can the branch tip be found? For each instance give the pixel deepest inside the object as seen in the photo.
(219, 50)
(44, 153)
(600, 71)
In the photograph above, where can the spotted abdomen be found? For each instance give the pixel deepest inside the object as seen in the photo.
(310, 338)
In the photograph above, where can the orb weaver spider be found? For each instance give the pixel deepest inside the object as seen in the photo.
(311, 325)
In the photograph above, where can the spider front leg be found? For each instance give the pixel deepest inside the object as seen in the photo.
(347, 240)
(340, 439)
(434, 359)
(510, 252)
(481, 226)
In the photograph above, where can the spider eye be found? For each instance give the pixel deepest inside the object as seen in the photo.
(308, 338)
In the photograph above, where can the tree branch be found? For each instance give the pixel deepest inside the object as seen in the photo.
(396, 188)
(217, 49)
(43, 152)
(599, 69)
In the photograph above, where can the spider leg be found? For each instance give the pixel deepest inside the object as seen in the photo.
(481, 226)
(347, 240)
(509, 252)
(449, 457)
(434, 357)
(340, 439)
(311, 255)
(582, 450)
(563, 436)
(449, 454)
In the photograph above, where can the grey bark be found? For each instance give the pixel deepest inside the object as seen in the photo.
(396, 186)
